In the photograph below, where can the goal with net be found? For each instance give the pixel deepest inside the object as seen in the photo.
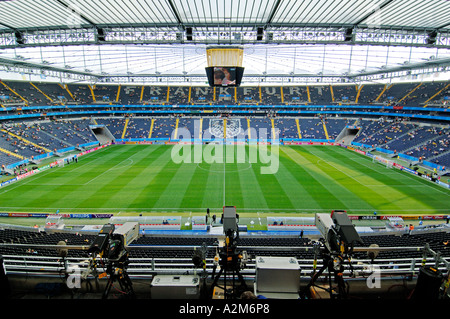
(60, 162)
(383, 161)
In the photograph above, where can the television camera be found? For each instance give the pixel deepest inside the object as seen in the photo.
(338, 232)
(228, 258)
(111, 245)
(338, 238)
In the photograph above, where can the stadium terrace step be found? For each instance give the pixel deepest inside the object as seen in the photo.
(125, 128)
(298, 129)
(410, 92)
(40, 91)
(11, 153)
(26, 141)
(13, 91)
(436, 94)
(325, 130)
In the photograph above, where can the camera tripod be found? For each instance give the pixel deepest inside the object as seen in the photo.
(116, 271)
(230, 263)
(334, 263)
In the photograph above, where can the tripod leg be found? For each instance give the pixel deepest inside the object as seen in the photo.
(214, 284)
(107, 288)
(243, 287)
(126, 285)
(314, 278)
(241, 279)
(341, 286)
(327, 264)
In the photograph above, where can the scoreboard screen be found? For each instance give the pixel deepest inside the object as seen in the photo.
(224, 76)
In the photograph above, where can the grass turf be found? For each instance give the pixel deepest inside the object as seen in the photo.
(143, 178)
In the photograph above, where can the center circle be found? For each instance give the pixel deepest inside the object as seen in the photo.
(245, 167)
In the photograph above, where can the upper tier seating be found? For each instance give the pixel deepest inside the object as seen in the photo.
(19, 93)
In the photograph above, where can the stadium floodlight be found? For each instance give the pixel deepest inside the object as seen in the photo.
(19, 38)
(431, 39)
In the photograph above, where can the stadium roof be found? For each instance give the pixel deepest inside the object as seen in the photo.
(129, 38)
(414, 14)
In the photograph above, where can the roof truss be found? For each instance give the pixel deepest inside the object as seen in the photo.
(28, 20)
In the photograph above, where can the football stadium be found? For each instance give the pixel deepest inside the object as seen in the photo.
(215, 150)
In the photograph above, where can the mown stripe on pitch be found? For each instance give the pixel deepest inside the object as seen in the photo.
(252, 194)
(160, 182)
(82, 195)
(373, 174)
(430, 196)
(195, 192)
(329, 191)
(86, 171)
(351, 180)
(45, 194)
(271, 188)
(216, 185)
(144, 196)
(107, 189)
(129, 181)
(345, 180)
(175, 189)
(301, 170)
(394, 197)
(404, 178)
(32, 186)
(297, 193)
(213, 188)
(144, 170)
(233, 189)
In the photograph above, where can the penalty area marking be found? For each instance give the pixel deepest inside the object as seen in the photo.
(379, 172)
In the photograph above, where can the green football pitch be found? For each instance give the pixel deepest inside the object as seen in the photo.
(146, 178)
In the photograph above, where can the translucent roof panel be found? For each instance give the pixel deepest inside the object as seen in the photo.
(224, 11)
(111, 12)
(36, 13)
(412, 13)
(324, 12)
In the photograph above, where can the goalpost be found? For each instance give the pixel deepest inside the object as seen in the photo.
(383, 161)
(60, 162)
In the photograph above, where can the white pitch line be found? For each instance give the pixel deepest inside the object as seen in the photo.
(380, 172)
(112, 168)
(408, 176)
(29, 179)
(86, 157)
(40, 174)
(328, 163)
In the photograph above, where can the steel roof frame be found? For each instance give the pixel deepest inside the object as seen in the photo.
(149, 22)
